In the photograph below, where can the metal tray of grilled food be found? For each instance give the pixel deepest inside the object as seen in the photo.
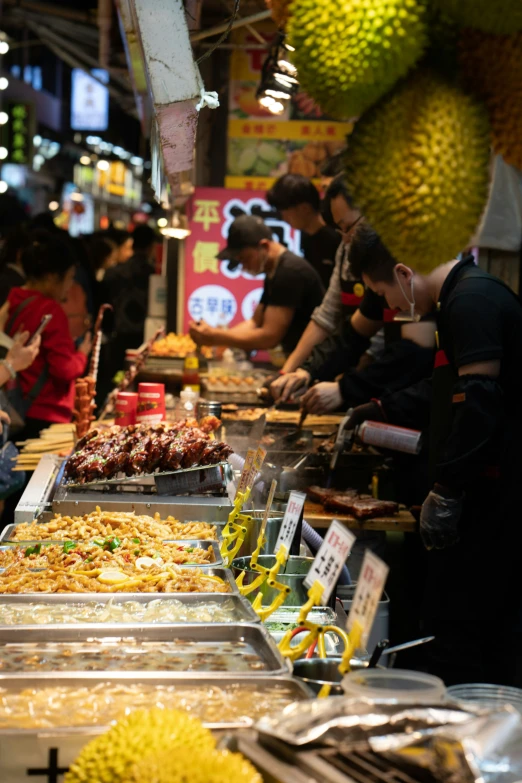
(198, 479)
(238, 606)
(223, 573)
(180, 650)
(278, 686)
(204, 544)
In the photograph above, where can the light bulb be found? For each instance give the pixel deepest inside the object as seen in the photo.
(276, 107)
(53, 206)
(4, 47)
(162, 222)
(3, 117)
(85, 160)
(4, 83)
(267, 101)
(103, 165)
(3, 186)
(3, 153)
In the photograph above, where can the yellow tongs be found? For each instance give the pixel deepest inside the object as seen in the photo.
(234, 532)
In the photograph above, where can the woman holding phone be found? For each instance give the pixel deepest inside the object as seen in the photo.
(47, 386)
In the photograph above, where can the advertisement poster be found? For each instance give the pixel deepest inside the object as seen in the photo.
(263, 146)
(213, 293)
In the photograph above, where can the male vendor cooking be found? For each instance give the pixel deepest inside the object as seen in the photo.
(470, 522)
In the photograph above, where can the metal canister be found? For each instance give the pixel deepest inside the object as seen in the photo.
(208, 408)
(388, 436)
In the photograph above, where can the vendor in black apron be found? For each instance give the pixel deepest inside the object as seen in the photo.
(408, 354)
(470, 520)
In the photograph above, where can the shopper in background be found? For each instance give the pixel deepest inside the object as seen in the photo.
(124, 243)
(47, 386)
(126, 287)
(103, 254)
(298, 202)
(11, 271)
(291, 291)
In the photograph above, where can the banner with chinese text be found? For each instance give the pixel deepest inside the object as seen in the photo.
(212, 292)
(263, 146)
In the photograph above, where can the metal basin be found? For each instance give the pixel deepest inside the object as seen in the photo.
(316, 672)
(294, 574)
(254, 528)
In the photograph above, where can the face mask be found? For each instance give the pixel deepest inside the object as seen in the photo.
(405, 316)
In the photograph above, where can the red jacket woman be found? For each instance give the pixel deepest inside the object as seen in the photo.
(49, 266)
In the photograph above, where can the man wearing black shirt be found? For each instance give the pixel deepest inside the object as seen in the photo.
(297, 200)
(291, 292)
(470, 521)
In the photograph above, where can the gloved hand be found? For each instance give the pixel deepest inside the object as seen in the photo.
(370, 411)
(440, 517)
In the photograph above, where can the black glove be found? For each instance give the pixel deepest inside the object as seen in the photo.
(370, 411)
(440, 517)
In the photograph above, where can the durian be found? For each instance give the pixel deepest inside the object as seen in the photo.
(183, 767)
(349, 53)
(492, 16)
(492, 67)
(110, 757)
(418, 168)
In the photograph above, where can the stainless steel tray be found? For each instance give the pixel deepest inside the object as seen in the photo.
(201, 478)
(15, 684)
(186, 542)
(243, 607)
(251, 634)
(8, 531)
(223, 573)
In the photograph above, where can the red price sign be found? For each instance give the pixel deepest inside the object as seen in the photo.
(330, 559)
(368, 594)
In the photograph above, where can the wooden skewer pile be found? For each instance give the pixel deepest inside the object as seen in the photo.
(57, 439)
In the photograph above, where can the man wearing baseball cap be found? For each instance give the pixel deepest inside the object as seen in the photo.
(291, 291)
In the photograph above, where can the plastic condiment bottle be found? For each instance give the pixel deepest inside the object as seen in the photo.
(190, 378)
(188, 399)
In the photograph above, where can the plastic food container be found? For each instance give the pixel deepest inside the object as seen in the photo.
(407, 687)
(486, 695)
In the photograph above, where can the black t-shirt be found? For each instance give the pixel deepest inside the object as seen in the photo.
(480, 320)
(319, 249)
(297, 285)
(126, 287)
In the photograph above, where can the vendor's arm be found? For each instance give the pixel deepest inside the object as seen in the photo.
(312, 336)
(264, 331)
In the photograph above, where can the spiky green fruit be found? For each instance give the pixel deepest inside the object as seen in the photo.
(418, 168)
(110, 757)
(184, 767)
(349, 53)
(492, 16)
(492, 68)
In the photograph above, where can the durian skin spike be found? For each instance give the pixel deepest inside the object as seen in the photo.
(349, 53)
(418, 166)
(183, 767)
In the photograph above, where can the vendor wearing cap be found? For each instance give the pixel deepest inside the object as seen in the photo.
(292, 291)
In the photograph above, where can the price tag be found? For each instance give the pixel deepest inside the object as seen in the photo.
(257, 464)
(330, 558)
(245, 473)
(291, 518)
(267, 508)
(368, 593)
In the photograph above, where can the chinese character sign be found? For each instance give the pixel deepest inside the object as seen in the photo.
(17, 133)
(290, 521)
(370, 585)
(212, 292)
(330, 559)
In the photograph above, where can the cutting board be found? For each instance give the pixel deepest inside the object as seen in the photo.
(316, 516)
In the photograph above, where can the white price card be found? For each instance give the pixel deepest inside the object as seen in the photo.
(368, 592)
(245, 474)
(268, 507)
(257, 464)
(330, 559)
(295, 505)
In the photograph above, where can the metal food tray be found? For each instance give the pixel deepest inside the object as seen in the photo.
(223, 573)
(185, 542)
(252, 634)
(241, 605)
(202, 478)
(17, 683)
(8, 531)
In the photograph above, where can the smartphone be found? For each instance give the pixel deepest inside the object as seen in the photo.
(43, 323)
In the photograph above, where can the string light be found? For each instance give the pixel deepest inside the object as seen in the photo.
(3, 186)
(103, 165)
(4, 83)
(85, 160)
(278, 78)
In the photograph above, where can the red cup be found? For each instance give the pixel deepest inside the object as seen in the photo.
(151, 403)
(126, 408)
